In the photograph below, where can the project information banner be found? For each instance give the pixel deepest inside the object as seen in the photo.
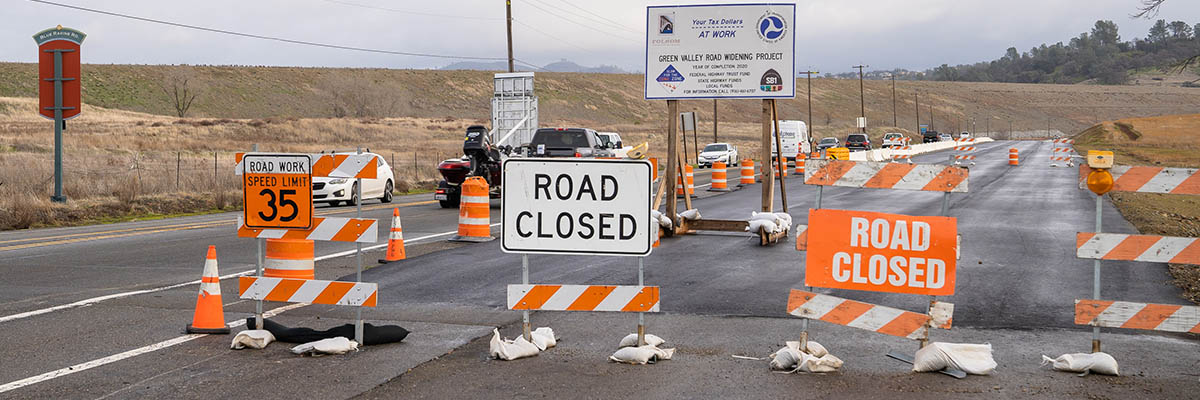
(721, 51)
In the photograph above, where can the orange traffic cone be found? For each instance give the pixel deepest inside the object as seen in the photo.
(210, 313)
(395, 247)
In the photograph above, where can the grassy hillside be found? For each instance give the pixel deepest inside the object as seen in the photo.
(604, 99)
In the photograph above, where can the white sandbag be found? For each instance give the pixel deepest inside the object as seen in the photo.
(641, 355)
(764, 216)
(784, 219)
(509, 350)
(1100, 363)
(335, 345)
(761, 224)
(817, 359)
(543, 338)
(662, 219)
(690, 215)
(631, 340)
(973, 359)
(252, 338)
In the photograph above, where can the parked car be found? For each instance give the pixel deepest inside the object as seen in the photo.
(894, 139)
(714, 152)
(343, 190)
(611, 138)
(568, 142)
(828, 143)
(964, 135)
(945, 137)
(858, 141)
(929, 136)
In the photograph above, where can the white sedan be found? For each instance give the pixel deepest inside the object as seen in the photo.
(343, 190)
(713, 152)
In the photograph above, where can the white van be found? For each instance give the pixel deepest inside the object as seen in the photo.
(794, 136)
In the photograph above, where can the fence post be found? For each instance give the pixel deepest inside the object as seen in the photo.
(178, 159)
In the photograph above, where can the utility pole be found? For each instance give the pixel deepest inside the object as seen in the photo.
(931, 117)
(715, 121)
(811, 134)
(917, 108)
(508, 11)
(895, 119)
(988, 125)
(862, 99)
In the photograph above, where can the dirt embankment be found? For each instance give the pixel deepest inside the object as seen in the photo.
(1168, 141)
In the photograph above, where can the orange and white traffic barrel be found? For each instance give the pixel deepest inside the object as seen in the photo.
(800, 164)
(747, 177)
(474, 220)
(719, 181)
(289, 258)
(1013, 157)
(775, 165)
(688, 181)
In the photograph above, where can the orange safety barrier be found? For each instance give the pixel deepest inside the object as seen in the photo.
(800, 163)
(747, 172)
(689, 180)
(719, 181)
(289, 258)
(775, 166)
(395, 245)
(474, 219)
(209, 316)
(1013, 157)
(653, 169)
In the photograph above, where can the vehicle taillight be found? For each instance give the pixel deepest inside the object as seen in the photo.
(577, 155)
(440, 191)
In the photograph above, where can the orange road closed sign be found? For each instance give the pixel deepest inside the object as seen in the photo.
(278, 191)
(880, 252)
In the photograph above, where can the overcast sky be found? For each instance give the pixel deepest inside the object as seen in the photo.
(832, 35)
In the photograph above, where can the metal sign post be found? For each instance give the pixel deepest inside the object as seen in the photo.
(59, 88)
(358, 321)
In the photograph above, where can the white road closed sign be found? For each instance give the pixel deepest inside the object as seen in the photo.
(576, 206)
(721, 51)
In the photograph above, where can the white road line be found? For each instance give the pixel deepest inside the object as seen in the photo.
(171, 342)
(129, 354)
(94, 300)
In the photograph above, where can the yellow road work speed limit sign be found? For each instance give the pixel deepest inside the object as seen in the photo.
(278, 191)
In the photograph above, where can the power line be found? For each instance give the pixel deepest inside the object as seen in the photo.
(422, 13)
(277, 39)
(583, 24)
(614, 23)
(557, 38)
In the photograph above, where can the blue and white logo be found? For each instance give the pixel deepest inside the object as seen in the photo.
(772, 27)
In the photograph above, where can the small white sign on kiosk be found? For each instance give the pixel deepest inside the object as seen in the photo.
(576, 206)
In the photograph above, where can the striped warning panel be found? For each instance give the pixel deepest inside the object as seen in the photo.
(902, 156)
(1060, 158)
(363, 166)
(801, 232)
(885, 175)
(964, 157)
(1123, 314)
(309, 291)
(1146, 248)
(865, 316)
(966, 140)
(1063, 150)
(964, 148)
(1149, 179)
(1064, 141)
(583, 298)
(334, 229)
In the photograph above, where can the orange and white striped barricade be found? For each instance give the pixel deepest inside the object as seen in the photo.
(1014, 157)
(1149, 179)
(1061, 151)
(800, 160)
(833, 238)
(906, 157)
(290, 257)
(720, 183)
(474, 212)
(964, 157)
(311, 291)
(958, 158)
(747, 170)
(1099, 246)
(583, 298)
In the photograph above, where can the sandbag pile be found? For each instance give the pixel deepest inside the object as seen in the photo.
(1084, 363)
(542, 338)
(630, 353)
(975, 359)
(690, 215)
(663, 221)
(791, 359)
(770, 222)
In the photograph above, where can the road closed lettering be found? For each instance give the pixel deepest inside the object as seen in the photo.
(881, 252)
(576, 206)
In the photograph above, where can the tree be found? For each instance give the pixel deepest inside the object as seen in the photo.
(1148, 9)
(180, 90)
(1180, 30)
(1105, 32)
(1158, 32)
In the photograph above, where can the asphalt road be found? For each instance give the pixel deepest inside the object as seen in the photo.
(1018, 273)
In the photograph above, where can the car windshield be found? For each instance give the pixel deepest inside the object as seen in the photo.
(603, 139)
(564, 138)
(891, 136)
(715, 147)
(857, 138)
(828, 140)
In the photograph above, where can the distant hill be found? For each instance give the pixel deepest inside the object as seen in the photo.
(559, 66)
